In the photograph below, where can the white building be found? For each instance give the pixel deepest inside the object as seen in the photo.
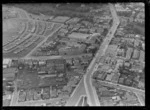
(6, 63)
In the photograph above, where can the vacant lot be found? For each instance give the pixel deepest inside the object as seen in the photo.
(28, 79)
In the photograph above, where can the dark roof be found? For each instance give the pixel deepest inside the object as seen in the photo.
(9, 70)
(59, 61)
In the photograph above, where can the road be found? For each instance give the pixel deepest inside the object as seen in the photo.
(77, 93)
(91, 92)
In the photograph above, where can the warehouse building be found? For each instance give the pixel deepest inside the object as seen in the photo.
(79, 36)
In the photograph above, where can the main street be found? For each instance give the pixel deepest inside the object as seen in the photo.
(91, 92)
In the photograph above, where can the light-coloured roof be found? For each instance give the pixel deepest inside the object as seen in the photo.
(75, 35)
(6, 61)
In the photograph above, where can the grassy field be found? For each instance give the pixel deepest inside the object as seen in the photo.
(71, 10)
(10, 28)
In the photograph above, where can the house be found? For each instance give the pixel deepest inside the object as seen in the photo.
(136, 54)
(104, 76)
(121, 80)
(141, 85)
(109, 77)
(115, 78)
(111, 50)
(136, 43)
(129, 53)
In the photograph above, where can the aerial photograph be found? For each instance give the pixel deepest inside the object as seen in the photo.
(73, 54)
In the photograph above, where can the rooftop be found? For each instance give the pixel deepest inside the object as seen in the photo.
(75, 35)
(9, 70)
